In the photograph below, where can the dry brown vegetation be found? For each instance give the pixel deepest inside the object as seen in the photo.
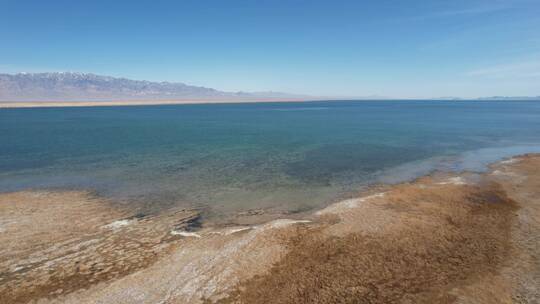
(452, 235)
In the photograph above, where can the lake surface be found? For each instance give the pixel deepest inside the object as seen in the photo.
(280, 157)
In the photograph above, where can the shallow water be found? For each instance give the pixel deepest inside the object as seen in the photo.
(282, 157)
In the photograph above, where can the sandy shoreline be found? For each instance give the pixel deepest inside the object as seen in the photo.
(55, 104)
(467, 238)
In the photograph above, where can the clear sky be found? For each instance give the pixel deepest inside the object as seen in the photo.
(398, 48)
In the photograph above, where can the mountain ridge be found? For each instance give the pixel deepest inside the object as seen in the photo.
(72, 86)
(89, 87)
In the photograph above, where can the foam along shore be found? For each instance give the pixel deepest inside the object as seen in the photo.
(470, 238)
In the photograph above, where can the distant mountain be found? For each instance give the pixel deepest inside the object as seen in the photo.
(67, 86)
(510, 98)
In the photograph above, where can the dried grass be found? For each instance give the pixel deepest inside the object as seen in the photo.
(453, 234)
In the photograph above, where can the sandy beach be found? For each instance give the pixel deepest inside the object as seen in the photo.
(467, 238)
(56, 104)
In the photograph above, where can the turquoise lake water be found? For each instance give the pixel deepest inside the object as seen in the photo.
(282, 157)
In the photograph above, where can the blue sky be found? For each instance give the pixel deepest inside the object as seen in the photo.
(347, 48)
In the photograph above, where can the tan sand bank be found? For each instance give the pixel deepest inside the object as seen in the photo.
(440, 239)
(38, 104)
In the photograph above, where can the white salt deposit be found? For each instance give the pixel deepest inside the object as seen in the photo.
(185, 233)
(284, 223)
(118, 224)
(17, 268)
(504, 173)
(458, 180)
(279, 223)
(509, 161)
(231, 230)
(235, 230)
(349, 203)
